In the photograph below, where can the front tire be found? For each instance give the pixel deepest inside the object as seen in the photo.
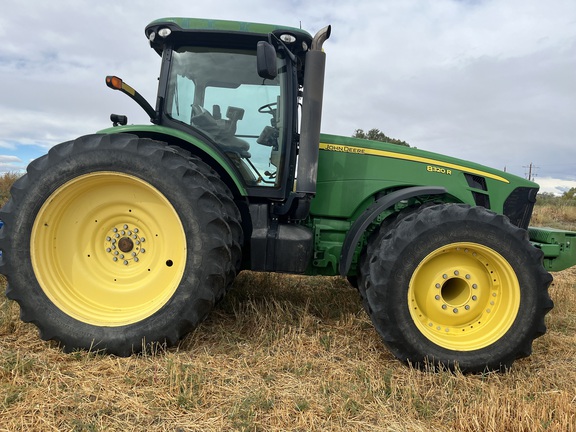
(456, 286)
(113, 242)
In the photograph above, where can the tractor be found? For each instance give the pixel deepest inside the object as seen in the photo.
(127, 238)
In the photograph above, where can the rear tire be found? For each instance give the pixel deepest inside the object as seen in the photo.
(455, 286)
(114, 243)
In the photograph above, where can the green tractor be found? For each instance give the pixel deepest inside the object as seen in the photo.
(127, 238)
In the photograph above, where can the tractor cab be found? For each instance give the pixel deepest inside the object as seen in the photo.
(210, 87)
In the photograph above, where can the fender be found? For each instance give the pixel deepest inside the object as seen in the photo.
(163, 133)
(372, 212)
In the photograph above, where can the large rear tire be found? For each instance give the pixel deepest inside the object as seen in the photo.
(456, 286)
(113, 243)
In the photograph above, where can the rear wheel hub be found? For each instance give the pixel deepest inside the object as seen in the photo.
(124, 243)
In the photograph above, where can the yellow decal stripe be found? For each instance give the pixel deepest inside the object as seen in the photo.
(388, 154)
(128, 89)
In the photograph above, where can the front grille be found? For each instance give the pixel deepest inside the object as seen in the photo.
(519, 205)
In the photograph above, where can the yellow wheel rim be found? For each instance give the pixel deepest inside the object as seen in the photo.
(464, 296)
(108, 249)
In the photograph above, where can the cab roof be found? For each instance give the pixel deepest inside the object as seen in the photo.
(192, 31)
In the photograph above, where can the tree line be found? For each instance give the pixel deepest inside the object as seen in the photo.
(377, 135)
(567, 198)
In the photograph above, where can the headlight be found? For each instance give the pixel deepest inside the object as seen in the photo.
(164, 32)
(287, 38)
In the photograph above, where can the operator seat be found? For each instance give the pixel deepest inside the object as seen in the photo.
(221, 130)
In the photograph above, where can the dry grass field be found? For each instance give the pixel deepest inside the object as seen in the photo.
(286, 353)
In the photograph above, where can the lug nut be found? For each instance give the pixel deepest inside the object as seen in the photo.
(444, 306)
(455, 310)
(467, 307)
(474, 298)
(474, 286)
(125, 226)
(437, 297)
(456, 272)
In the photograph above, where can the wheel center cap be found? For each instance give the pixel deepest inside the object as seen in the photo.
(125, 244)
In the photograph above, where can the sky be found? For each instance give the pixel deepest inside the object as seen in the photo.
(491, 81)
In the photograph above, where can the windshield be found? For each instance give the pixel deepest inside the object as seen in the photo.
(220, 93)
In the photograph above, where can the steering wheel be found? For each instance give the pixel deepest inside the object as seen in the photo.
(267, 109)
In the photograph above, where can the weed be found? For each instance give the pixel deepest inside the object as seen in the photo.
(326, 341)
(244, 413)
(301, 404)
(14, 364)
(185, 384)
(10, 395)
(353, 407)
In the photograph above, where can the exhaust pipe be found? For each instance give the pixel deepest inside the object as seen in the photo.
(311, 114)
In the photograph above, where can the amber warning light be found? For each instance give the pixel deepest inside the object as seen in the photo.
(114, 82)
(117, 84)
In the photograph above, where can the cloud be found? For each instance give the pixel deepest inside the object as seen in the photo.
(10, 163)
(9, 159)
(555, 186)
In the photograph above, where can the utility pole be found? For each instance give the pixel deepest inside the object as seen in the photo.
(531, 171)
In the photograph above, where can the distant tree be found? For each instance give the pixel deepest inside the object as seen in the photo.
(378, 135)
(570, 194)
(547, 198)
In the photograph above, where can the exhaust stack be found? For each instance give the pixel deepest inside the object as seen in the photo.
(312, 114)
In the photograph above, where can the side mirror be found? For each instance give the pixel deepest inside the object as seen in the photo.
(266, 60)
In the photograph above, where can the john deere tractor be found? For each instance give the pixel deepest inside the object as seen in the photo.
(128, 237)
